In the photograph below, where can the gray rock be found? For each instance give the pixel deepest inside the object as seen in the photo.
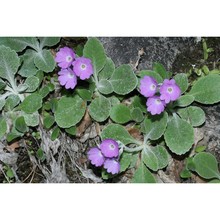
(124, 50)
(211, 130)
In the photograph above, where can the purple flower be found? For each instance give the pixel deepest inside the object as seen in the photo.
(169, 91)
(109, 148)
(112, 166)
(96, 157)
(67, 78)
(83, 67)
(148, 86)
(65, 57)
(155, 105)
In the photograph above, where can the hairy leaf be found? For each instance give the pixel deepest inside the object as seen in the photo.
(143, 175)
(120, 114)
(9, 63)
(3, 126)
(179, 135)
(155, 125)
(206, 165)
(69, 111)
(206, 89)
(32, 103)
(44, 61)
(117, 132)
(99, 108)
(123, 80)
(94, 50)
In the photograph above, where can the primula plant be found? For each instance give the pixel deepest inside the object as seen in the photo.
(146, 117)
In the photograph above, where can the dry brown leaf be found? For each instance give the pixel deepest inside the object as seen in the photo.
(135, 133)
(85, 123)
(12, 147)
(53, 52)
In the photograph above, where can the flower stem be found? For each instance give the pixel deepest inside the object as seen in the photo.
(95, 77)
(131, 150)
(4, 96)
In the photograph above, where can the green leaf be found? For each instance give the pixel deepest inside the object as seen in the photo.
(162, 156)
(155, 157)
(70, 110)
(3, 127)
(55, 134)
(155, 125)
(49, 121)
(40, 154)
(20, 125)
(184, 101)
(199, 149)
(137, 115)
(19, 43)
(85, 94)
(72, 130)
(28, 67)
(120, 114)
(2, 103)
(193, 114)
(206, 89)
(40, 75)
(179, 135)
(143, 175)
(32, 119)
(123, 80)
(53, 104)
(114, 100)
(48, 41)
(155, 75)
(190, 164)
(139, 102)
(9, 63)
(12, 136)
(94, 50)
(51, 87)
(134, 159)
(214, 181)
(206, 165)
(185, 174)
(108, 70)
(31, 103)
(106, 175)
(2, 84)
(32, 82)
(182, 81)
(117, 132)
(99, 108)
(11, 102)
(214, 71)
(22, 88)
(125, 161)
(79, 50)
(44, 61)
(149, 158)
(105, 87)
(159, 68)
(44, 91)
(9, 173)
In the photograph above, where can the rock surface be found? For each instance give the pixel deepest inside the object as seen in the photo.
(124, 50)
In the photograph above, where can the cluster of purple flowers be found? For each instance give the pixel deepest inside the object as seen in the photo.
(71, 67)
(158, 94)
(107, 154)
